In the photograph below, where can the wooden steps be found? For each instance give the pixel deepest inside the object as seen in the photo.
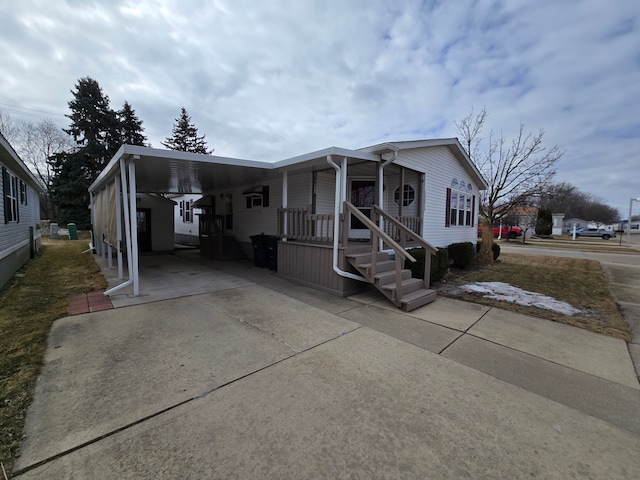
(413, 293)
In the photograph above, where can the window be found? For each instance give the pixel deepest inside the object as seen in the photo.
(408, 196)
(257, 196)
(460, 209)
(185, 211)
(11, 192)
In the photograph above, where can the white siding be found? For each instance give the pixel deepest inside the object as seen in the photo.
(325, 192)
(440, 167)
(391, 183)
(182, 227)
(299, 190)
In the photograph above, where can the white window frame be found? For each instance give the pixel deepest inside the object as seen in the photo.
(13, 198)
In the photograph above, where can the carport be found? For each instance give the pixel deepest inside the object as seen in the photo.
(136, 169)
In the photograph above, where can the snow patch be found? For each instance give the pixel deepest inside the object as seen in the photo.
(508, 293)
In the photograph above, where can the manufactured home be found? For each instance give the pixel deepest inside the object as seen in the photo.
(20, 212)
(335, 219)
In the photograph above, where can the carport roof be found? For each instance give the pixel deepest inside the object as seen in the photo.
(172, 171)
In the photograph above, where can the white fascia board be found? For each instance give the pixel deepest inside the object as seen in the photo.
(322, 154)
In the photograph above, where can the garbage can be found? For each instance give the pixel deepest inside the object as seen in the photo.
(271, 246)
(259, 251)
(54, 231)
(73, 231)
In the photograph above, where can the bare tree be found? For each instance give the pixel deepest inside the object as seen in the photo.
(9, 129)
(38, 144)
(516, 171)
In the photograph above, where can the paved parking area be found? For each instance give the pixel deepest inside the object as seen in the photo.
(266, 379)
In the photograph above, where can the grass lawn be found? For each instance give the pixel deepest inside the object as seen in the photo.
(36, 297)
(576, 281)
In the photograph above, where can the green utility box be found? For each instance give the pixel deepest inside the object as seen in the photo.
(73, 231)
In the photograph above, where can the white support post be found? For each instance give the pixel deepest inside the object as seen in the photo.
(133, 227)
(106, 217)
(103, 210)
(118, 227)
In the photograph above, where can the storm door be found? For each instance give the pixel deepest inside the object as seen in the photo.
(362, 195)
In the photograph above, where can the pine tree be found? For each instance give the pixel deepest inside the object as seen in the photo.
(131, 131)
(96, 131)
(185, 136)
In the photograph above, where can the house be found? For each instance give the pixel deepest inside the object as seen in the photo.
(334, 219)
(20, 212)
(186, 215)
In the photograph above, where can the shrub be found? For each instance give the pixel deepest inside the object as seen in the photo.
(439, 264)
(495, 248)
(461, 254)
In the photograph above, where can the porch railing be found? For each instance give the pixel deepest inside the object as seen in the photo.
(299, 224)
(400, 253)
(390, 228)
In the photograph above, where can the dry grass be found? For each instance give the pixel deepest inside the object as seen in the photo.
(577, 281)
(36, 297)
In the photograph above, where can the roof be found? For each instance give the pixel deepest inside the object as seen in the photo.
(172, 171)
(451, 143)
(12, 160)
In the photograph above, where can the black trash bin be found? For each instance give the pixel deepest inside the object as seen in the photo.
(259, 251)
(271, 246)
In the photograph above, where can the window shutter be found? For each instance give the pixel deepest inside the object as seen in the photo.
(265, 196)
(448, 209)
(473, 211)
(5, 194)
(248, 199)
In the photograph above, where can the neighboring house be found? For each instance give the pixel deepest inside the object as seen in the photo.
(523, 217)
(319, 211)
(186, 217)
(20, 212)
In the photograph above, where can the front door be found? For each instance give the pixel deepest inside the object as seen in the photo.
(362, 195)
(143, 220)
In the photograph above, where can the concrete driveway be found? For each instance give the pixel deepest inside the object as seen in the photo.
(266, 379)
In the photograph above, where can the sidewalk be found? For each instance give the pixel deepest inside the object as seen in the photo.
(262, 378)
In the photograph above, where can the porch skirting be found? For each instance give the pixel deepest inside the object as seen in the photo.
(312, 265)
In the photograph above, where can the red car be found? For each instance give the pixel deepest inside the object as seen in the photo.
(507, 232)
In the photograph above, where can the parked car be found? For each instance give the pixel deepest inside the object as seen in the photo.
(507, 232)
(593, 232)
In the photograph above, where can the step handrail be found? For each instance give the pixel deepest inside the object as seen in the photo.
(397, 248)
(412, 235)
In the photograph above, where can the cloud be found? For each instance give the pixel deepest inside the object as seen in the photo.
(269, 80)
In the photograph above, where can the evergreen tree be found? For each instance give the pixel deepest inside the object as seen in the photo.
(185, 136)
(96, 131)
(131, 131)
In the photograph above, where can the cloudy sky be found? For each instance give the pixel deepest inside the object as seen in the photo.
(268, 80)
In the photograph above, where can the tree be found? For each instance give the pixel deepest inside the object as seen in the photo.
(131, 131)
(38, 143)
(544, 224)
(516, 171)
(185, 136)
(9, 129)
(568, 199)
(96, 132)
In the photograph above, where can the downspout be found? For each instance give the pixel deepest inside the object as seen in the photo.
(381, 190)
(336, 225)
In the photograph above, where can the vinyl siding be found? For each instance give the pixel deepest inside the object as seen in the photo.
(14, 236)
(440, 167)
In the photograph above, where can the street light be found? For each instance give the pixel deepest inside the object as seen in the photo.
(629, 219)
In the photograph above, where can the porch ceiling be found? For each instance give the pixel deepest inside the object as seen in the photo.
(170, 171)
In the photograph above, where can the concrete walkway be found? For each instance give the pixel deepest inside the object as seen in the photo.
(262, 378)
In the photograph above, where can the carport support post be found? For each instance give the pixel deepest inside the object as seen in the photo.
(105, 229)
(133, 225)
(118, 227)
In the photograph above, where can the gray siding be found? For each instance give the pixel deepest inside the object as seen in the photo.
(14, 236)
